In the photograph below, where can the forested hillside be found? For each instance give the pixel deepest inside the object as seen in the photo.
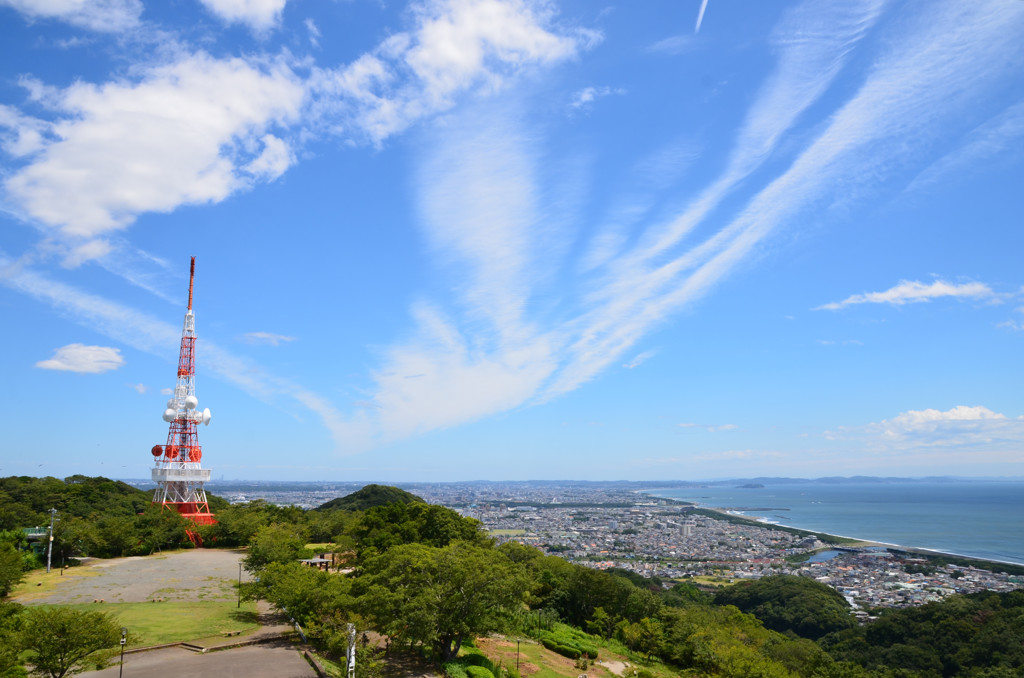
(432, 582)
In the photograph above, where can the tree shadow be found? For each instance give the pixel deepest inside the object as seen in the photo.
(245, 616)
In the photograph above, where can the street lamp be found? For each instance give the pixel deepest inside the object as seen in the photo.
(124, 640)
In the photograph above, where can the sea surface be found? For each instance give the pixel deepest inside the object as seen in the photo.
(980, 519)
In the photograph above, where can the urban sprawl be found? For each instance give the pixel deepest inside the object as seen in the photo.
(614, 527)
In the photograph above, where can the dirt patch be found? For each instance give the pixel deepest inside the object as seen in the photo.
(616, 667)
(183, 576)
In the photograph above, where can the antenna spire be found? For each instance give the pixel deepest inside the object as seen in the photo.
(191, 279)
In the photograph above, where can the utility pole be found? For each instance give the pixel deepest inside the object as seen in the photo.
(351, 658)
(49, 550)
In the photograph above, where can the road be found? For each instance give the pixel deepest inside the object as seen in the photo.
(276, 659)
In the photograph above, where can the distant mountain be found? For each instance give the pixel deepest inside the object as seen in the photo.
(368, 497)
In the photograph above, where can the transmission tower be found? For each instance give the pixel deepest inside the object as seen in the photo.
(177, 470)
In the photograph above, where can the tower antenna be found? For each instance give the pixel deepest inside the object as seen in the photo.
(177, 470)
(191, 279)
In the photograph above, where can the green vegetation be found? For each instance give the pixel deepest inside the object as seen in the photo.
(369, 497)
(786, 603)
(174, 621)
(59, 639)
(980, 634)
(433, 582)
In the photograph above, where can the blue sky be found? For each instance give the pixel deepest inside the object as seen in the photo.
(514, 239)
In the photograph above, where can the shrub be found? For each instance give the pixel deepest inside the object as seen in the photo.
(479, 672)
(564, 650)
(454, 670)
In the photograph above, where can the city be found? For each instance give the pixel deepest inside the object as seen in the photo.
(607, 525)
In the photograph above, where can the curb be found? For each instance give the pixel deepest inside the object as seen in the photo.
(213, 648)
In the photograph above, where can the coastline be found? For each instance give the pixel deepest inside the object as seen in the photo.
(856, 542)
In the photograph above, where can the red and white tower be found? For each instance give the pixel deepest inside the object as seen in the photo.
(177, 470)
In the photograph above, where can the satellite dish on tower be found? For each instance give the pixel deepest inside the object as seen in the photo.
(206, 417)
(191, 402)
(169, 414)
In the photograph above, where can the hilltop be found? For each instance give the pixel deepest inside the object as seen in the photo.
(370, 496)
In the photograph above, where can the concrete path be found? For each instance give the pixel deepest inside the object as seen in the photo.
(275, 659)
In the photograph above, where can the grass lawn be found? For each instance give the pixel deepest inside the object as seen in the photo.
(37, 584)
(536, 661)
(172, 622)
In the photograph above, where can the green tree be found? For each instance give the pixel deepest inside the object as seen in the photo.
(307, 593)
(441, 596)
(382, 527)
(789, 603)
(275, 543)
(61, 638)
(11, 571)
(9, 643)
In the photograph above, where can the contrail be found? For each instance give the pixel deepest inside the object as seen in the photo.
(700, 15)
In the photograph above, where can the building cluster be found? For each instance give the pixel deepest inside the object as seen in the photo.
(601, 525)
(657, 537)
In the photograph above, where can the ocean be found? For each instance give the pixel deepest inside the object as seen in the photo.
(979, 519)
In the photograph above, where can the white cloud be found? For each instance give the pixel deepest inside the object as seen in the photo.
(456, 45)
(482, 197)
(20, 135)
(273, 161)
(97, 15)
(676, 44)
(976, 430)
(177, 136)
(140, 388)
(266, 338)
(996, 137)
(914, 420)
(908, 291)
(87, 251)
(167, 391)
(314, 32)
(145, 333)
(83, 359)
(711, 428)
(259, 15)
(640, 359)
(586, 96)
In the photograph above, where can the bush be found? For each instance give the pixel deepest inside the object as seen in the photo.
(564, 650)
(478, 672)
(454, 670)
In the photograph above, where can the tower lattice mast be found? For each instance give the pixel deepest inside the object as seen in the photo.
(177, 470)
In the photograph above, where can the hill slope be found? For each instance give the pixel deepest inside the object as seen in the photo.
(368, 497)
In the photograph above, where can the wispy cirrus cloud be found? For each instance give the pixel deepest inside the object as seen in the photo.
(911, 292)
(533, 328)
(268, 338)
(146, 333)
(639, 359)
(83, 359)
(998, 136)
(585, 97)
(710, 428)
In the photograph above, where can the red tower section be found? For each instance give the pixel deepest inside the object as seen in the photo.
(177, 470)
